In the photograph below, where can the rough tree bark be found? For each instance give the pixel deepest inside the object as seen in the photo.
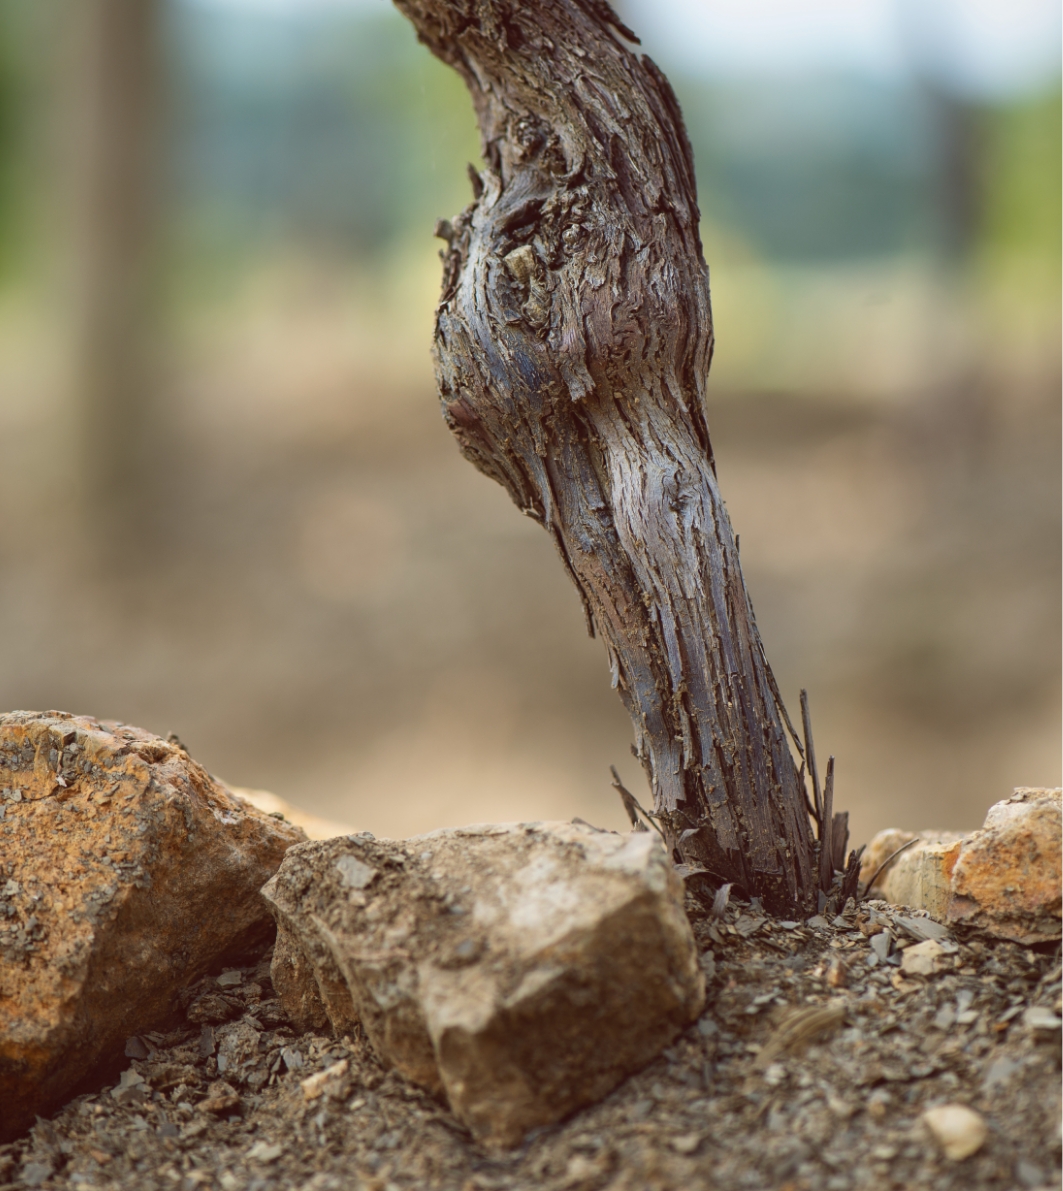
(572, 344)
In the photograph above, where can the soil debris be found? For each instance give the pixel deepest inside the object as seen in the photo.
(845, 1105)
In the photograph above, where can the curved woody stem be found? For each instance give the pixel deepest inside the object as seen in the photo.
(572, 344)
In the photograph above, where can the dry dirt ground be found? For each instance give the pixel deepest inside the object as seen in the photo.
(748, 1097)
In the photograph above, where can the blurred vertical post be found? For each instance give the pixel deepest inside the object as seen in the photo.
(110, 133)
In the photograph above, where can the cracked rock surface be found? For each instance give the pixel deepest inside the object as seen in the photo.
(521, 971)
(125, 871)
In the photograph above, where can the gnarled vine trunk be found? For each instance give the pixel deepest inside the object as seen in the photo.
(572, 343)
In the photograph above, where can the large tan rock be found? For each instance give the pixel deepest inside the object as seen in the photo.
(522, 970)
(126, 872)
(920, 875)
(1004, 878)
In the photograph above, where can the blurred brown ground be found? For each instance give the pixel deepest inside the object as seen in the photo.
(323, 599)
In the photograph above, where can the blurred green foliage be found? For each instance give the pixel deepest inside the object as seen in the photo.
(335, 130)
(1021, 171)
(338, 129)
(823, 168)
(13, 127)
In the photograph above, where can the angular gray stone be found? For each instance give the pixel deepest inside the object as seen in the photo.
(523, 970)
(924, 959)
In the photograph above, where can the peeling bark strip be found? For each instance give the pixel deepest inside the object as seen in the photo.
(572, 343)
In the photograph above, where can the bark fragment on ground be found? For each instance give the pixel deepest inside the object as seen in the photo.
(125, 869)
(521, 971)
(840, 1106)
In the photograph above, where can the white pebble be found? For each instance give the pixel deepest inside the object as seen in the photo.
(263, 1151)
(959, 1130)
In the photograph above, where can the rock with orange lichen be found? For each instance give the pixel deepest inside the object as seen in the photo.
(126, 872)
(1007, 879)
(1003, 879)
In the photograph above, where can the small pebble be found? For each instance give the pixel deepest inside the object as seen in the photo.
(924, 959)
(135, 1048)
(686, 1143)
(323, 1081)
(207, 1042)
(293, 1059)
(221, 1097)
(1028, 1174)
(580, 1170)
(35, 1173)
(878, 1104)
(880, 945)
(131, 1087)
(1038, 1017)
(999, 1071)
(958, 1130)
(263, 1151)
(837, 973)
(945, 1018)
(922, 928)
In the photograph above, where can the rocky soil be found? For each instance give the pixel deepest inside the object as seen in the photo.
(812, 1067)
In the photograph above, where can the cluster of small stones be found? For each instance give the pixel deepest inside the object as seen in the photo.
(817, 1066)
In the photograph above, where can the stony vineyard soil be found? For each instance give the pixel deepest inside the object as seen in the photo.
(751, 1096)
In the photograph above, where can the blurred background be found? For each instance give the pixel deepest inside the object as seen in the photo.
(230, 508)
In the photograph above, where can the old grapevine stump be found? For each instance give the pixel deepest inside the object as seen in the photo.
(572, 343)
